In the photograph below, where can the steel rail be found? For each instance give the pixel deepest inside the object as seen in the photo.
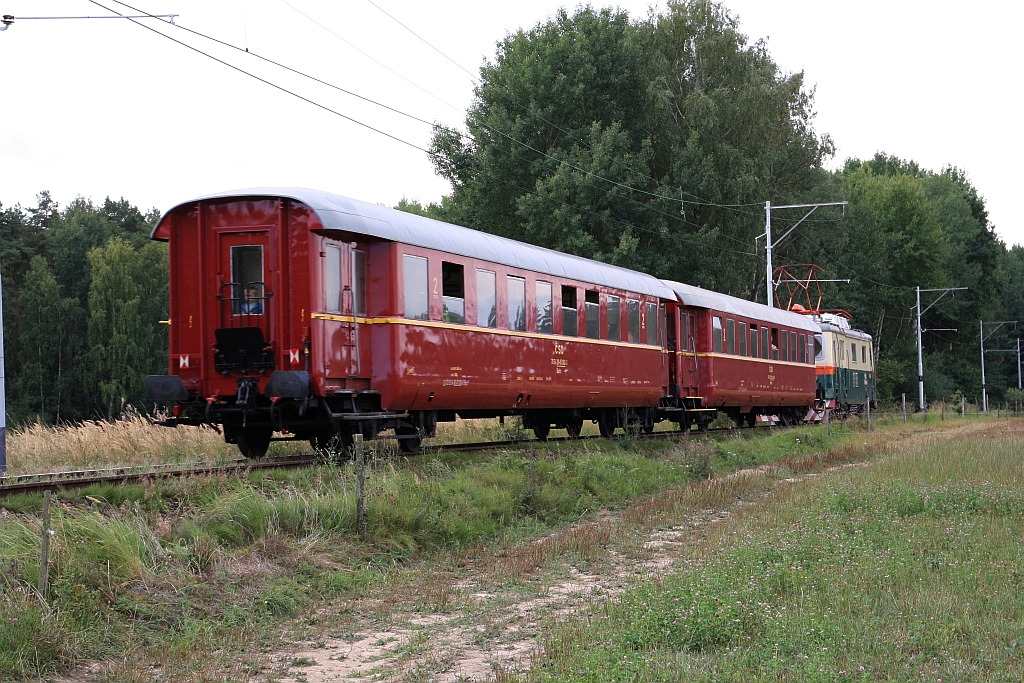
(76, 479)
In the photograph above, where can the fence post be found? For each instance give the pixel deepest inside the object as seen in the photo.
(357, 445)
(869, 413)
(942, 419)
(963, 407)
(827, 432)
(904, 408)
(44, 553)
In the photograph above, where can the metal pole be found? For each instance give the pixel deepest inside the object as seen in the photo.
(768, 250)
(1018, 361)
(920, 356)
(984, 396)
(904, 408)
(3, 391)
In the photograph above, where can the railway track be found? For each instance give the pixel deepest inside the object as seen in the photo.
(76, 479)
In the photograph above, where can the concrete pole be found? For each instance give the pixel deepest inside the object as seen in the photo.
(984, 395)
(768, 251)
(1018, 362)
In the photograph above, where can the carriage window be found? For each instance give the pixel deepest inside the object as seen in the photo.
(453, 292)
(247, 275)
(359, 265)
(417, 306)
(570, 324)
(753, 341)
(742, 338)
(486, 301)
(332, 279)
(516, 303)
(775, 343)
(784, 346)
(685, 344)
(853, 352)
(614, 319)
(633, 321)
(819, 347)
(652, 324)
(592, 311)
(765, 348)
(544, 324)
(716, 334)
(792, 346)
(803, 348)
(730, 336)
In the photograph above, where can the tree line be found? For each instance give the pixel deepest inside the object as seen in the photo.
(648, 143)
(84, 290)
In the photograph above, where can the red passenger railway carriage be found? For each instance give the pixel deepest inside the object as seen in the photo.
(739, 357)
(309, 314)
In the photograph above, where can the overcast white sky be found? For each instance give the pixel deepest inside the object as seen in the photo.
(105, 107)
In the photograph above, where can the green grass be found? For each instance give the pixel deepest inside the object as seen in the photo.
(909, 569)
(198, 574)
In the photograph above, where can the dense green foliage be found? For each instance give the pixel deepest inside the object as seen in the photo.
(83, 291)
(654, 143)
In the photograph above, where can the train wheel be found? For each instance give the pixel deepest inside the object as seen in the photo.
(648, 422)
(409, 440)
(542, 432)
(254, 441)
(573, 429)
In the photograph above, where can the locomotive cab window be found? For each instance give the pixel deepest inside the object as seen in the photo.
(633, 321)
(417, 305)
(819, 347)
(853, 352)
(453, 292)
(332, 279)
(544, 323)
(570, 324)
(863, 353)
(247, 279)
(516, 303)
(592, 311)
(652, 323)
(486, 299)
(614, 319)
(716, 334)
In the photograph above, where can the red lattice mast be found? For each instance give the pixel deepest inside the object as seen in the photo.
(802, 290)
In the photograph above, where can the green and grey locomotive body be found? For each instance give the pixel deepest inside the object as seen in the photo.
(844, 364)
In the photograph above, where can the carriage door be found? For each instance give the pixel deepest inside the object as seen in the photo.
(345, 304)
(243, 333)
(689, 377)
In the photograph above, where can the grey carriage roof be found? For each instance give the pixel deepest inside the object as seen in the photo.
(705, 298)
(341, 213)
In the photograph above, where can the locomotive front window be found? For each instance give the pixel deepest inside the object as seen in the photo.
(417, 304)
(545, 324)
(486, 299)
(730, 336)
(516, 304)
(741, 337)
(614, 319)
(592, 311)
(570, 324)
(453, 292)
(652, 324)
(633, 321)
(716, 334)
(332, 279)
(819, 347)
(247, 278)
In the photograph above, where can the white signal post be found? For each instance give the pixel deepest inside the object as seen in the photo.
(770, 245)
(982, 336)
(920, 330)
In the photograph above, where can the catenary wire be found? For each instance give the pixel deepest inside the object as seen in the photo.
(414, 145)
